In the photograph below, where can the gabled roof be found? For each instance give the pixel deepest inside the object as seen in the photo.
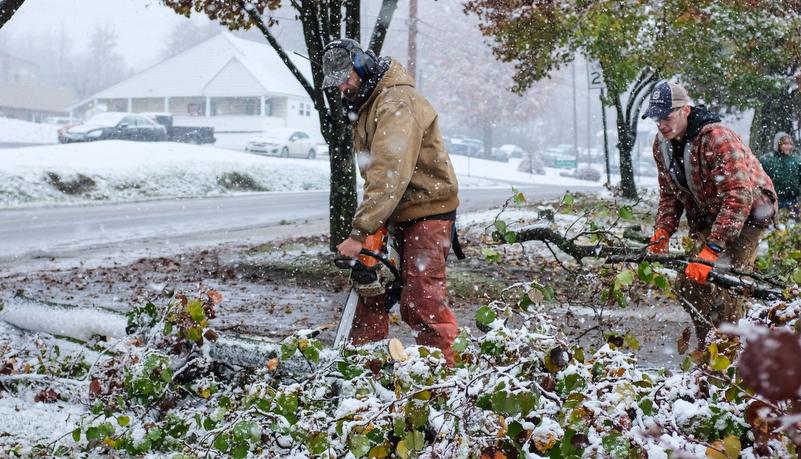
(191, 73)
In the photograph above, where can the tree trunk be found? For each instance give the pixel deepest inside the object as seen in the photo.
(7, 9)
(773, 116)
(627, 122)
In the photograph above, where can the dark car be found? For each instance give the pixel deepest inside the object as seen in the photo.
(197, 135)
(116, 126)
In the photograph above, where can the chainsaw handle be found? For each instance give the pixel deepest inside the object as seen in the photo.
(350, 263)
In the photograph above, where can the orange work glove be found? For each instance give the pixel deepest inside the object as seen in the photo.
(659, 243)
(697, 272)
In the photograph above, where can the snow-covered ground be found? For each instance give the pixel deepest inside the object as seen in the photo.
(23, 132)
(116, 171)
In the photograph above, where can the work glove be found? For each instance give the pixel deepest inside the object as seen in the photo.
(662, 245)
(697, 272)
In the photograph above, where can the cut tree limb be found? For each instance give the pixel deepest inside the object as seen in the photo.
(742, 281)
(84, 324)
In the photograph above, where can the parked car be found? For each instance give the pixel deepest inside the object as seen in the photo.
(467, 147)
(512, 151)
(115, 126)
(497, 155)
(185, 134)
(284, 143)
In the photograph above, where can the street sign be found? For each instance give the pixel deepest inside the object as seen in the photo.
(595, 77)
(565, 164)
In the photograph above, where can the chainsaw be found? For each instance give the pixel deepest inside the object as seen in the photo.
(374, 272)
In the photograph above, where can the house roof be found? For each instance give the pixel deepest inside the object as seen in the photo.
(197, 72)
(41, 98)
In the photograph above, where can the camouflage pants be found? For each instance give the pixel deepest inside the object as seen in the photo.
(709, 305)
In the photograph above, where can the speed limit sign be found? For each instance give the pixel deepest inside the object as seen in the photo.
(595, 77)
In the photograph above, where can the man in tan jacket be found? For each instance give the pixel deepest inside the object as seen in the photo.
(409, 184)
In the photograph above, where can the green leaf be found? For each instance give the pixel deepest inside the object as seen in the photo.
(647, 406)
(349, 371)
(289, 347)
(167, 328)
(510, 237)
(616, 445)
(76, 435)
(209, 424)
(797, 276)
(500, 225)
(123, 421)
(485, 315)
(490, 255)
(415, 441)
(193, 334)
(318, 443)
(644, 272)
(376, 436)
(287, 405)
(661, 282)
(626, 213)
(94, 433)
(239, 452)
(166, 375)
(359, 445)
(312, 351)
(245, 431)
(632, 341)
(417, 412)
(399, 427)
(520, 199)
(567, 199)
(221, 443)
(625, 277)
(460, 344)
(195, 309)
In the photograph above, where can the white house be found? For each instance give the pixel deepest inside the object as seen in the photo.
(238, 87)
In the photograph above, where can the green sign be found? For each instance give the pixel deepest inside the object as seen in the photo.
(565, 164)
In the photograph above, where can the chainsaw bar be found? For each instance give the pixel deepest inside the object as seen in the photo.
(346, 322)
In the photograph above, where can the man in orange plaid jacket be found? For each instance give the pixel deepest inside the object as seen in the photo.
(707, 172)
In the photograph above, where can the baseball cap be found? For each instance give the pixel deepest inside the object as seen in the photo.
(338, 61)
(665, 98)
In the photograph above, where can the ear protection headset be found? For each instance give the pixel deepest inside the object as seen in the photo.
(362, 62)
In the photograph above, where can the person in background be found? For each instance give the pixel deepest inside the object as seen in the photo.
(784, 168)
(409, 184)
(707, 172)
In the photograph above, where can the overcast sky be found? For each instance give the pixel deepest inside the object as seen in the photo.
(142, 25)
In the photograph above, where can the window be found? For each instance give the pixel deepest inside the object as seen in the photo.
(308, 109)
(128, 121)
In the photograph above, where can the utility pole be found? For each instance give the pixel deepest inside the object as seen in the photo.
(575, 116)
(412, 67)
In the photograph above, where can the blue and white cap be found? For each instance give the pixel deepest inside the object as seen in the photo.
(665, 98)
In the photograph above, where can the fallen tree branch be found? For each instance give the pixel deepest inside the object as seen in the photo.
(83, 324)
(745, 282)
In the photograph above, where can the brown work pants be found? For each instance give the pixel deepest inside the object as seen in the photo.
(423, 247)
(709, 305)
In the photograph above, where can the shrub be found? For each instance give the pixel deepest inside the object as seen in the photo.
(587, 173)
(82, 184)
(239, 182)
(532, 163)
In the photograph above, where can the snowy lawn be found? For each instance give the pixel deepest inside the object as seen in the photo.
(115, 171)
(17, 131)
